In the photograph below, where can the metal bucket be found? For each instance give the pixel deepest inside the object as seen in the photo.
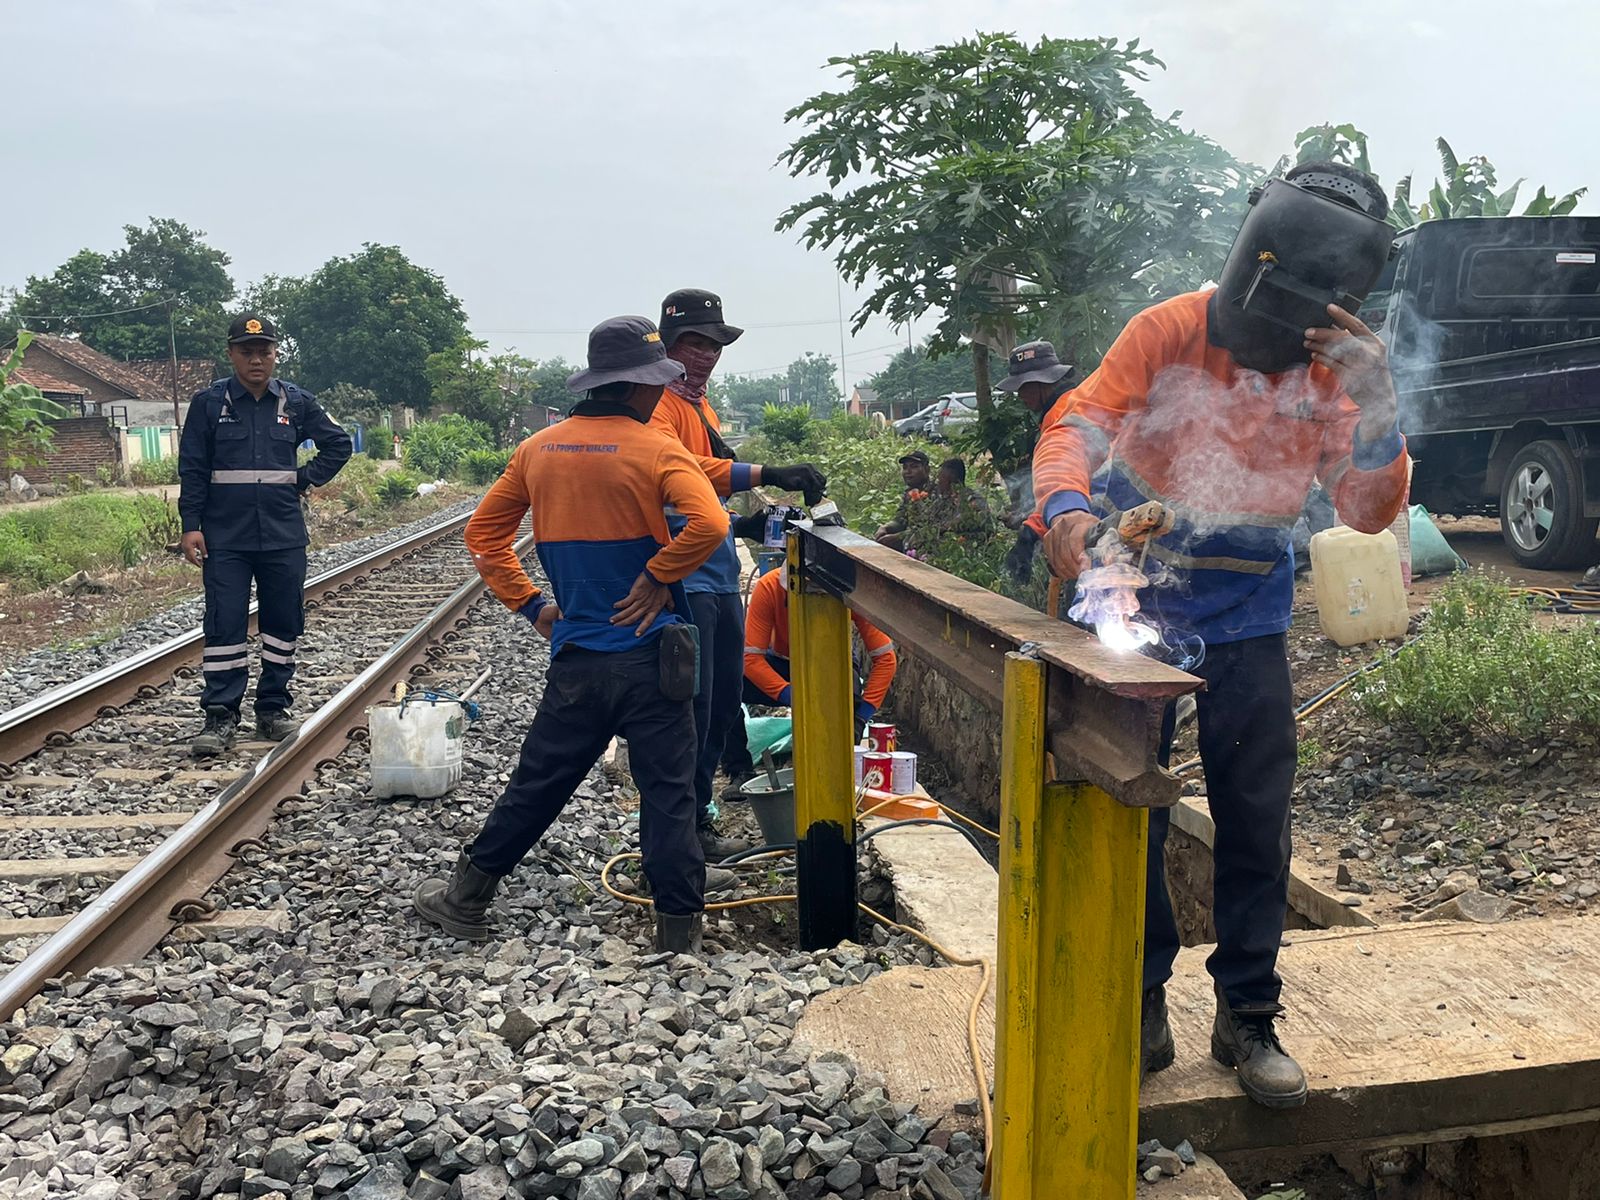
(773, 807)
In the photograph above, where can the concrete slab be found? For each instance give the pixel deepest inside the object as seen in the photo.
(942, 886)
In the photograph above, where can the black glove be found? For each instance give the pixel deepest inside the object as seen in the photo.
(753, 527)
(1019, 561)
(803, 478)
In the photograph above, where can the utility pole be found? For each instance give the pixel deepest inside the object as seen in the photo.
(844, 383)
(172, 347)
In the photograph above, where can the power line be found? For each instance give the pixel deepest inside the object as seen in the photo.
(84, 316)
(583, 332)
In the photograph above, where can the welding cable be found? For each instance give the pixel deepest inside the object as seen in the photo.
(909, 821)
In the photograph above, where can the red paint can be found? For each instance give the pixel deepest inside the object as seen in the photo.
(881, 738)
(877, 770)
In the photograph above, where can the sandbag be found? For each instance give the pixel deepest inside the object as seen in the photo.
(1430, 553)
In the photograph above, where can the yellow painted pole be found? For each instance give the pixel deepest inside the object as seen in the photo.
(824, 728)
(1071, 943)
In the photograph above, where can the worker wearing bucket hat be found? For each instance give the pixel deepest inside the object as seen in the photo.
(622, 658)
(1037, 377)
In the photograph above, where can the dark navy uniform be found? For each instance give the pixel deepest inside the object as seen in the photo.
(241, 488)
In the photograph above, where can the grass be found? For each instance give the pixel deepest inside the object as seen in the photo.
(1308, 753)
(1485, 670)
(44, 545)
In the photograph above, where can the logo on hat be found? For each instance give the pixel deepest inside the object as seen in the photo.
(1024, 355)
(672, 310)
(252, 326)
(652, 336)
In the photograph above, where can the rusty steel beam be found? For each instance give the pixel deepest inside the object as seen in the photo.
(1104, 706)
(64, 710)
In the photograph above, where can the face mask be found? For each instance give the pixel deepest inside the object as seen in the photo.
(697, 364)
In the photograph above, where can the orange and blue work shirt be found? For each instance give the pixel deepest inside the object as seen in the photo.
(1169, 416)
(682, 419)
(597, 487)
(766, 632)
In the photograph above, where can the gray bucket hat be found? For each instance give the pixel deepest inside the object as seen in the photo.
(625, 350)
(1033, 362)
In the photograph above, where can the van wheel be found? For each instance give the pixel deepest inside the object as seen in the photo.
(1541, 509)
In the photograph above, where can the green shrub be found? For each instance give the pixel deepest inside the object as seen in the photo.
(105, 475)
(153, 472)
(395, 488)
(1485, 668)
(43, 545)
(304, 455)
(785, 425)
(436, 448)
(484, 466)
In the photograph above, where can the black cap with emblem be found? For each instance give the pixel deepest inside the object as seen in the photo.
(252, 328)
(692, 310)
(625, 350)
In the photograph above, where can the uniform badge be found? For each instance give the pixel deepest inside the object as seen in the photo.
(252, 326)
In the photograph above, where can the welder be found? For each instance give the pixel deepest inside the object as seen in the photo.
(1226, 405)
(240, 487)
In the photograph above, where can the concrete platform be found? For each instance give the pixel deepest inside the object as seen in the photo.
(1408, 1033)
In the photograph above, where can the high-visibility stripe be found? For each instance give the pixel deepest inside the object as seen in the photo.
(1202, 516)
(1244, 566)
(274, 656)
(232, 664)
(886, 648)
(1096, 445)
(286, 647)
(288, 477)
(224, 651)
(755, 649)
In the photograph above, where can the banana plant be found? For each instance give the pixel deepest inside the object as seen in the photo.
(1466, 188)
(24, 437)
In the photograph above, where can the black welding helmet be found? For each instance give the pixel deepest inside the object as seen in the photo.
(1318, 239)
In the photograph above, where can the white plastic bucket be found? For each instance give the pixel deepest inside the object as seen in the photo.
(416, 748)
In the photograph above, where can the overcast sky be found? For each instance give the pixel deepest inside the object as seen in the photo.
(559, 162)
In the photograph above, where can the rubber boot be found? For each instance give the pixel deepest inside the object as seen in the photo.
(275, 725)
(461, 906)
(217, 736)
(679, 935)
(1246, 1041)
(716, 847)
(1156, 1049)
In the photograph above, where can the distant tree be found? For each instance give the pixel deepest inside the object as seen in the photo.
(1465, 189)
(464, 381)
(371, 319)
(347, 402)
(118, 303)
(743, 397)
(812, 380)
(1004, 185)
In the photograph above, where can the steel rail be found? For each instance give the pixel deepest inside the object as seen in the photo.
(29, 727)
(131, 917)
(1104, 707)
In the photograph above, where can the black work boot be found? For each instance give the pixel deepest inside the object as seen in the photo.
(716, 847)
(1246, 1041)
(274, 725)
(1156, 1050)
(217, 736)
(679, 935)
(461, 906)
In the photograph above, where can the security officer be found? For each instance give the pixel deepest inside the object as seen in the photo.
(240, 504)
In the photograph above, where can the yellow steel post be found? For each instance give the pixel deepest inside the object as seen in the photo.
(824, 727)
(1071, 943)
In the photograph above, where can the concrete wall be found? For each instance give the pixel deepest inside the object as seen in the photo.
(965, 734)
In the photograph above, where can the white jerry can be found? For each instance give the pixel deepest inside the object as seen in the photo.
(416, 747)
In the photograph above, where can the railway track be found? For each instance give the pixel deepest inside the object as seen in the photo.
(110, 834)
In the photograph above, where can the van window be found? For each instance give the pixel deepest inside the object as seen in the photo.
(1506, 272)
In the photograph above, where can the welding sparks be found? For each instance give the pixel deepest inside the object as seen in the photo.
(1108, 600)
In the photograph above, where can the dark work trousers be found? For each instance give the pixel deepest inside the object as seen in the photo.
(1247, 746)
(280, 578)
(720, 619)
(589, 698)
